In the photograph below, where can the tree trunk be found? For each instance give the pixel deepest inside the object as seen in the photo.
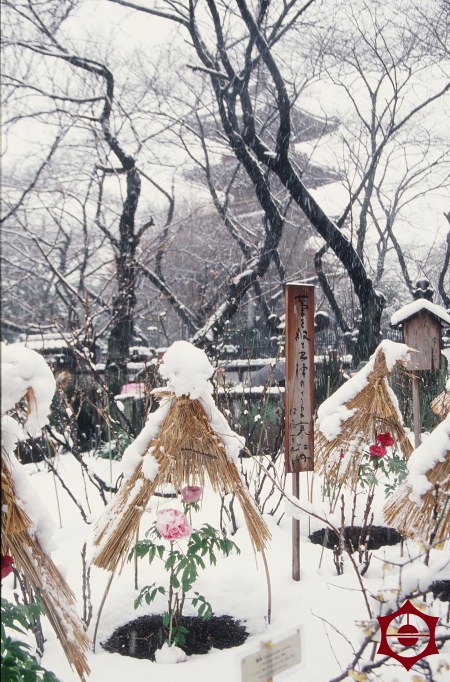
(125, 301)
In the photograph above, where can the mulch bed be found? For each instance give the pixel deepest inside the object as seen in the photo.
(441, 590)
(379, 536)
(140, 638)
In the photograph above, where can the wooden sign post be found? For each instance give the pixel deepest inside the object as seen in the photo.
(299, 395)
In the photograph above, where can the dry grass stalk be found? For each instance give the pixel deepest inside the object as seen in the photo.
(374, 412)
(18, 540)
(441, 404)
(430, 521)
(188, 452)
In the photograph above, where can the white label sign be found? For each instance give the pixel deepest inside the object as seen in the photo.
(273, 658)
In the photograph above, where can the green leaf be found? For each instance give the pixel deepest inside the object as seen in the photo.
(179, 638)
(170, 561)
(199, 561)
(142, 548)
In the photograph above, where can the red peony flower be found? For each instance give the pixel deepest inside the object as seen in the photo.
(7, 562)
(377, 451)
(385, 439)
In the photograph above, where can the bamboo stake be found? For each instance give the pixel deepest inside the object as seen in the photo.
(296, 530)
(416, 410)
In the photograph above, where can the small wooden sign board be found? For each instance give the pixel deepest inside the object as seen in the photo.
(423, 333)
(272, 658)
(299, 396)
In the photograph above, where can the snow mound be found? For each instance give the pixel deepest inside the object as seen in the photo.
(24, 369)
(187, 370)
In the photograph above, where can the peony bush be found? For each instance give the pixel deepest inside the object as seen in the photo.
(184, 551)
(385, 465)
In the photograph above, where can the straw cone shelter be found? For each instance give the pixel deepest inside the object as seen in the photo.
(187, 450)
(421, 506)
(441, 404)
(349, 420)
(19, 540)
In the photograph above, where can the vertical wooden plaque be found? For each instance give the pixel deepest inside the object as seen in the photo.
(299, 395)
(423, 333)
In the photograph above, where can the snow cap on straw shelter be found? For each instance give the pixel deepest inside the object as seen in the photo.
(187, 441)
(26, 374)
(334, 410)
(351, 418)
(187, 370)
(134, 452)
(434, 449)
(25, 528)
(420, 507)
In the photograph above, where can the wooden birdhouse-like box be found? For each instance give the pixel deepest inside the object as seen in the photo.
(421, 322)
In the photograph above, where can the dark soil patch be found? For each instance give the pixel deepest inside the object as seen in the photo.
(441, 590)
(378, 536)
(140, 638)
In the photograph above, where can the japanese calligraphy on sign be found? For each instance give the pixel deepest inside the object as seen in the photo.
(299, 434)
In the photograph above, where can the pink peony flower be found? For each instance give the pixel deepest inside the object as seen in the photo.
(377, 451)
(385, 439)
(171, 524)
(191, 493)
(7, 562)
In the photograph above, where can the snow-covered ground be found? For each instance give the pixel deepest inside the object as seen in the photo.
(331, 610)
(328, 607)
